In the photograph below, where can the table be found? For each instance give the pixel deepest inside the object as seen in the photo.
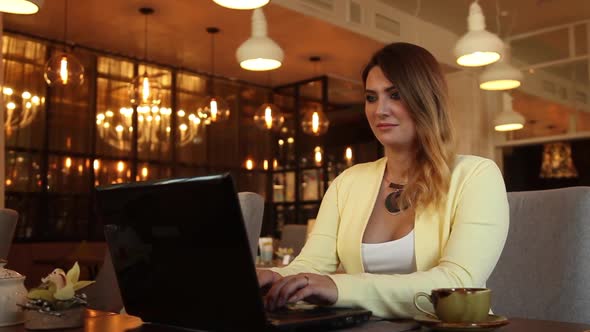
(100, 321)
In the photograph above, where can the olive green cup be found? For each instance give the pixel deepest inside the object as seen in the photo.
(458, 305)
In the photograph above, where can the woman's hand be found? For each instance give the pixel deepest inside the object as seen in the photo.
(267, 277)
(313, 288)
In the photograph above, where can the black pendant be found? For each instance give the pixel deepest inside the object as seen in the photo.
(392, 202)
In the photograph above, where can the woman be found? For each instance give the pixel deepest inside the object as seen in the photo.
(420, 218)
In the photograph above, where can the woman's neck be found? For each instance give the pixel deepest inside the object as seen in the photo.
(399, 162)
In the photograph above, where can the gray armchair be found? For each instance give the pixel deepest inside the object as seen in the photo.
(105, 294)
(544, 270)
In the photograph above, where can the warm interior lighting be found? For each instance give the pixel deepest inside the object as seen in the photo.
(478, 47)
(22, 7)
(500, 85)
(557, 161)
(268, 117)
(260, 64)
(314, 122)
(508, 119)
(317, 156)
(96, 164)
(509, 127)
(290, 140)
(348, 155)
(501, 75)
(63, 70)
(144, 172)
(281, 142)
(249, 164)
(120, 166)
(213, 107)
(8, 182)
(145, 89)
(242, 4)
(478, 59)
(259, 52)
(68, 162)
(265, 165)
(275, 164)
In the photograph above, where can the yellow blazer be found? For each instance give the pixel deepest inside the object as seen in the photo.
(457, 246)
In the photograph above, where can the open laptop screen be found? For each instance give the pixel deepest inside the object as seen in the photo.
(181, 254)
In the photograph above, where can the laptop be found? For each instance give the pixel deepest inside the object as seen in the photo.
(182, 258)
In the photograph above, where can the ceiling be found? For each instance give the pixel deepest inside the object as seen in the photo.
(515, 16)
(177, 36)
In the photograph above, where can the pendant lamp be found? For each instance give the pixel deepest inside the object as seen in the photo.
(314, 121)
(478, 47)
(259, 52)
(214, 108)
(557, 161)
(145, 90)
(23, 7)
(242, 4)
(269, 116)
(64, 68)
(501, 75)
(508, 119)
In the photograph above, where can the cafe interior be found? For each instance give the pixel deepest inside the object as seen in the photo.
(101, 92)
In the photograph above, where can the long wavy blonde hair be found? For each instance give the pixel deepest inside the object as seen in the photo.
(422, 86)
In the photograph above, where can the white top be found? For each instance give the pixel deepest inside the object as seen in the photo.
(393, 257)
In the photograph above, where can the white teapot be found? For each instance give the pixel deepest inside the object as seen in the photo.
(12, 294)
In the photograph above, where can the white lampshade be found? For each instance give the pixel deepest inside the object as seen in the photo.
(501, 75)
(259, 53)
(508, 119)
(242, 4)
(478, 47)
(20, 6)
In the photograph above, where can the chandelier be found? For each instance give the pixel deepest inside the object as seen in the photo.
(557, 161)
(155, 127)
(21, 109)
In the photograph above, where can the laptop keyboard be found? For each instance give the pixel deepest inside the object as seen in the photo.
(298, 311)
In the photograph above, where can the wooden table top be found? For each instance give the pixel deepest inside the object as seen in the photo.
(99, 321)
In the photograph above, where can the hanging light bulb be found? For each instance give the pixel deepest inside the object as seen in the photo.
(259, 52)
(145, 90)
(348, 156)
(63, 68)
(20, 6)
(508, 119)
(242, 4)
(269, 117)
(478, 47)
(317, 155)
(501, 75)
(215, 108)
(249, 164)
(315, 122)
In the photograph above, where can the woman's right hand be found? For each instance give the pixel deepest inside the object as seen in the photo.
(267, 278)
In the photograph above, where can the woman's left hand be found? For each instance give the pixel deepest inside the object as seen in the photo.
(313, 288)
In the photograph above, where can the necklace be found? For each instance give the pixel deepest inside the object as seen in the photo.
(392, 203)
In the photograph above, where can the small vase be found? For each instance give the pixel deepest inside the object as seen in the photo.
(69, 318)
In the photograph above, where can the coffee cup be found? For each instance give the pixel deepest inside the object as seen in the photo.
(457, 305)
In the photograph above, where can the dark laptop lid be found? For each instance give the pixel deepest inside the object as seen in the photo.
(181, 255)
